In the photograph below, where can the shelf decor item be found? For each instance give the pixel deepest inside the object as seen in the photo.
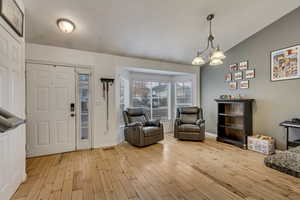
(243, 65)
(250, 74)
(233, 85)
(228, 77)
(261, 144)
(234, 121)
(244, 84)
(13, 15)
(238, 75)
(285, 63)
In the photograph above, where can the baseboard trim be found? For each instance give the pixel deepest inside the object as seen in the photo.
(211, 134)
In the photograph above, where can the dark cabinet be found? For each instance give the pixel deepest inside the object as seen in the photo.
(235, 121)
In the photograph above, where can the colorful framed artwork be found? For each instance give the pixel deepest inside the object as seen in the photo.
(244, 84)
(13, 15)
(234, 67)
(243, 65)
(238, 75)
(228, 77)
(285, 64)
(250, 73)
(233, 85)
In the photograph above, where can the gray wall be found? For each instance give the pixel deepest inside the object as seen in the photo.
(275, 101)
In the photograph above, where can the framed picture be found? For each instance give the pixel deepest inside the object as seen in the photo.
(13, 15)
(285, 63)
(233, 85)
(228, 77)
(244, 84)
(250, 73)
(243, 65)
(233, 67)
(238, 75)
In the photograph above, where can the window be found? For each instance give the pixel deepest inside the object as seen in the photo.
(124, 96)
(152, 95)
(184, 94)
(160, 100)
(84, 105)
(141, 94)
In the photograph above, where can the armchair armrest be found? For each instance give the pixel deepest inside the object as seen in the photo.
(134, 134)
(200, 121)
(177, 122)
(153, 123)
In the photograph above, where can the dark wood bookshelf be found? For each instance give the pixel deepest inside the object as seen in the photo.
(235, 121)
(232, 126)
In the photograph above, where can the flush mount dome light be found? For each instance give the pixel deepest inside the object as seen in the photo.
(65, 25)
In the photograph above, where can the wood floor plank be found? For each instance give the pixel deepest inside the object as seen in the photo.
(169, 170)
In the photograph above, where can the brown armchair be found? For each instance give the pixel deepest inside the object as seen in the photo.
(189, 124)
(139, 129)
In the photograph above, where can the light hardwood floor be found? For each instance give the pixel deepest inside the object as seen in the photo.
(169, 170)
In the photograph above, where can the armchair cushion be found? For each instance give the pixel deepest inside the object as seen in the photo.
(189, 110)
(151, 131)
(152, 123)
(188, 128)
(135, 111)
(188, 118)
(140, 118)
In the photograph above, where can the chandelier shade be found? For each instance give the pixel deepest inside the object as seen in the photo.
(198, 60)
(215, 62)
(216, 55)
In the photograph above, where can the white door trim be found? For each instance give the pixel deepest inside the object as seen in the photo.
(44, 62)
(77, 67)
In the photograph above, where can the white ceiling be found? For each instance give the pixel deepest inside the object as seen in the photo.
(169, 30)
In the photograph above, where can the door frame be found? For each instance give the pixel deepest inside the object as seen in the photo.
(77, 68)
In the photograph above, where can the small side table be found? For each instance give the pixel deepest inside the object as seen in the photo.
(288, 125)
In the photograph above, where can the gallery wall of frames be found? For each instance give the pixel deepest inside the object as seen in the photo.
(239, 75)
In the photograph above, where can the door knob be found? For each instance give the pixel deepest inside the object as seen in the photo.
(72, 115)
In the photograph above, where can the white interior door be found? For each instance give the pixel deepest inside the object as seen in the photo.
(51, 118)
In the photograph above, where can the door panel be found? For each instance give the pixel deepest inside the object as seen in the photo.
(43, 127)
(50, 91)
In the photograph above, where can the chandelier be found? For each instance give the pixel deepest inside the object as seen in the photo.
(216, 56)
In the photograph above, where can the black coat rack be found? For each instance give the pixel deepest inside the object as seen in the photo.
(106, 83)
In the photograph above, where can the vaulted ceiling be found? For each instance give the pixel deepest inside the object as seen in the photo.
(170, 30)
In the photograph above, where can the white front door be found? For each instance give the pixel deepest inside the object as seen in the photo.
(50, 109)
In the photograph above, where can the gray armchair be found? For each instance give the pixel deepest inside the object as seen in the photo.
(189, 124)
(139, 129)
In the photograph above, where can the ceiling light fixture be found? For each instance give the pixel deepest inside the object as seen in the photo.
(65, 25)
(216, 56)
